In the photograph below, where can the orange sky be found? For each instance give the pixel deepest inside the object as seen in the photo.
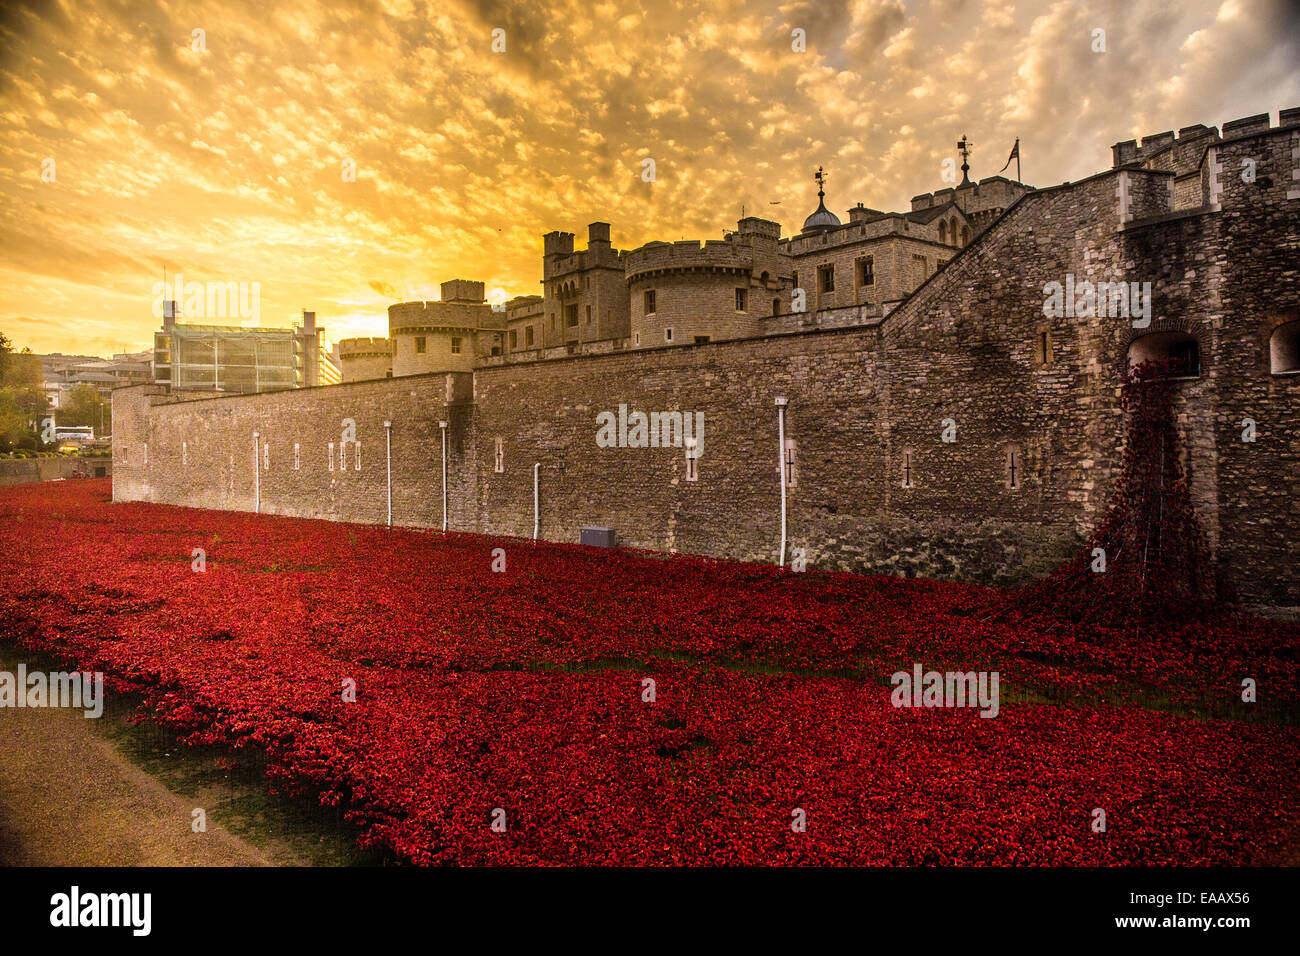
(226, 164)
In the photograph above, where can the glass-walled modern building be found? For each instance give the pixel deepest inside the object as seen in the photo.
(235, 359)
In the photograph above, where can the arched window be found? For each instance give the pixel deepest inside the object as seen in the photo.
(943, 233)
(965, 235)
(1178, 353)
(1284, 349)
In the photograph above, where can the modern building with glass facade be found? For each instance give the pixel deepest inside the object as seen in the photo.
(227, 358)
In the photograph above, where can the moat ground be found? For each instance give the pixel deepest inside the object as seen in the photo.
(108, 792)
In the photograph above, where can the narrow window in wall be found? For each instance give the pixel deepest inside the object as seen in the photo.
(356, 455)
(692, 461)
(185, 453)
(668, 335)
(1043, 345)
(650, 302)
(297, 457)
(909, 477)
(343, 456)
(796, 280)
(1015, 468)
(331, 456)
(528, 336)
(419, 344)
(455, 345)
(589, 315)
(500, 465)
(776, 306)
(742, 296)
(514, 339)
(266, 456)
(636, 338)
(791, 463)
(146, 454)
(121, 452)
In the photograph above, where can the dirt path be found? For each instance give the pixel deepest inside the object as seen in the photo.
(69, 797)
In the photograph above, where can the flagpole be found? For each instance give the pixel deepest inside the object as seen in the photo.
(1018, 179)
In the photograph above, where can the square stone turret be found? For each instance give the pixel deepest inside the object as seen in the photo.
(462, 291)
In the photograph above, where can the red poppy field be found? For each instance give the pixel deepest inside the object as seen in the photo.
(517, 696)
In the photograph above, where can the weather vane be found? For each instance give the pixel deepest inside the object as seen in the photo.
(964, 145)
(821, 182)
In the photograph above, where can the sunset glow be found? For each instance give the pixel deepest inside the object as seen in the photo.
(226, 163)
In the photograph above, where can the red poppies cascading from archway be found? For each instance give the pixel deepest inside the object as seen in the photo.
(1157, 561)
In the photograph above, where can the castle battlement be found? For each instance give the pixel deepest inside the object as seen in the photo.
(688, 254)
(1188, 146)
(410, 316)
(523, 306)
(358, 347)
(989, 191)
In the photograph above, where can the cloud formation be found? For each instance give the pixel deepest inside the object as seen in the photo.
(227, 162)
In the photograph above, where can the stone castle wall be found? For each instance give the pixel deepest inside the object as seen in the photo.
(875, 487)
(201, 452)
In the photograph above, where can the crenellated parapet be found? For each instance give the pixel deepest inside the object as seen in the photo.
(687, 256)
(364, 348)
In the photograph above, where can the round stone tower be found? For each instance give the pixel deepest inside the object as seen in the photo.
(364, 359)
(444, 336)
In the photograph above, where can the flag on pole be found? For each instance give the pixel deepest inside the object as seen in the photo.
(1015, 154)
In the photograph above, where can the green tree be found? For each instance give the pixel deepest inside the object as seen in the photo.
(22, 398)
(82, 407)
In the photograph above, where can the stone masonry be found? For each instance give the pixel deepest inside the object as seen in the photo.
(1029, 399)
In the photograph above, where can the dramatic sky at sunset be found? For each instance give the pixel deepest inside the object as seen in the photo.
(227, 164)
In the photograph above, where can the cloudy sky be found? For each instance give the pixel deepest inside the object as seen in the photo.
(227, 163)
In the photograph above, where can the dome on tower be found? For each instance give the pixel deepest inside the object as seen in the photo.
(822, 218)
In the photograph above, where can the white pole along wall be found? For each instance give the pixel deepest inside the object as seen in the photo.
(388, 443)
(257, 476)
(443, 426)
(780, 464)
